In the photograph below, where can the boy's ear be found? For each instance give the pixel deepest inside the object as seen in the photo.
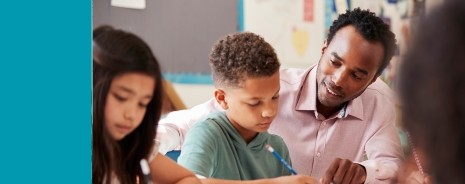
(220, 97)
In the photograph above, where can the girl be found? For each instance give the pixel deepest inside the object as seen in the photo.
(127, 100)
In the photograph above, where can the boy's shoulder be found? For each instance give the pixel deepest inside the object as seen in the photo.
(205, 131)
(275, 138)
(277, 142)
(212, 123)
(211, 120)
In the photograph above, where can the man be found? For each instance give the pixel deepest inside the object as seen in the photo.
(337, 118)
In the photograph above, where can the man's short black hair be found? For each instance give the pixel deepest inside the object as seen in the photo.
(371, 27)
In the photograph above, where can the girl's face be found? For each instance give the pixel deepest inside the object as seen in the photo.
(126, 103)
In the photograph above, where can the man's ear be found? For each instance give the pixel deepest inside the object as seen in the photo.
(220, 97)
(323, 48)
(374, 79)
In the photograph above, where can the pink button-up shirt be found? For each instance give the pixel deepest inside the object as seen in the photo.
(363, 131)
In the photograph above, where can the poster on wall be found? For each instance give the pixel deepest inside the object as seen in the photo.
(293, 27)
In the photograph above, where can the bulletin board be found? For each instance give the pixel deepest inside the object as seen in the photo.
(297, 28)
(180, 32)
(293, 27)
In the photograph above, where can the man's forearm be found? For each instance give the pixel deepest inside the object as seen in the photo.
(169, 138)
(172, 129)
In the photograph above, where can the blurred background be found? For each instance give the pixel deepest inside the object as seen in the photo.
(182, 32)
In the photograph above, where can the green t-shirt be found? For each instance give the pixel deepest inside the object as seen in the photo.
(214, 149)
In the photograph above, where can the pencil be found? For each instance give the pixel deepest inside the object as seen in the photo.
(146, 171)
(269, 148)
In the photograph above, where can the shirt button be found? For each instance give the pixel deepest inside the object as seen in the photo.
(318, 154)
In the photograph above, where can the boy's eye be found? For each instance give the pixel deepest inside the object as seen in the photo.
(254, 104)
(275, 97)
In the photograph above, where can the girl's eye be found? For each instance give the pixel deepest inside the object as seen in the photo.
(119, 98)
(143, 105)
(275, 98)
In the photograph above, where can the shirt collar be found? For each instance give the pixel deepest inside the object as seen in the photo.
(307, 97)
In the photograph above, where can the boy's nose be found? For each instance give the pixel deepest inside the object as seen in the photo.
(269, 112)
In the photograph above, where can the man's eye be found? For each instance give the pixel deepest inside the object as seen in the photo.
(334, 63)
(357, 77)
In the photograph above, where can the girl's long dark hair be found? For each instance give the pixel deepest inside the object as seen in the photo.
(117, 52)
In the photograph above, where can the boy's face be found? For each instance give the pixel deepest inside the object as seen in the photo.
(126, 103)
(347, 66)
(252, 107)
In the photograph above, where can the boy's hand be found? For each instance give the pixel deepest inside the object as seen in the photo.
(344, 171)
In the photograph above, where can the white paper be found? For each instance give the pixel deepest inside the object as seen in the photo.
(282, 24)
(341, 6)
(136, 4)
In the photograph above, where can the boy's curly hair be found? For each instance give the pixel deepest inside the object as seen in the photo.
(239, 56)
(371, 27)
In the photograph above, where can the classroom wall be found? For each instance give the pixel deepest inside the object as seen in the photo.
(180, 32)
(194, 94)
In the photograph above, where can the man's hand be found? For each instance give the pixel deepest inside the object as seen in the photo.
(344, 171)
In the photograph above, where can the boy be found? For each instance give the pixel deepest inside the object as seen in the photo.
(231, 144)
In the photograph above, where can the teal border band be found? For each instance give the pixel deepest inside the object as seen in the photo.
(45, 77)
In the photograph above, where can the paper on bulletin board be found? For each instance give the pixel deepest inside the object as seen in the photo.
(341, 6)
(308, 10)
(292, 27)
(135, 4)
(372, 5)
